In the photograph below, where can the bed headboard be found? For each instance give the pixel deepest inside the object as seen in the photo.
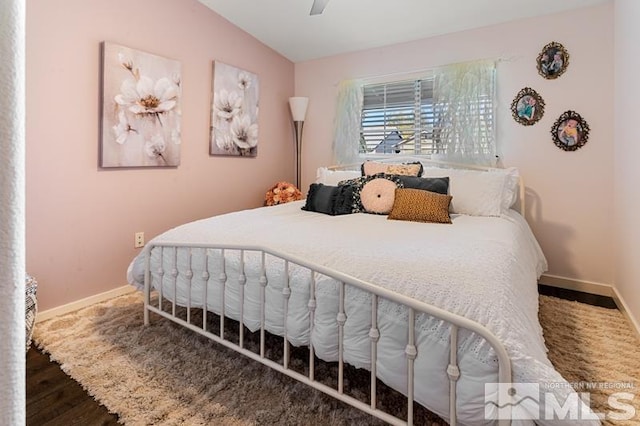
(519, 205)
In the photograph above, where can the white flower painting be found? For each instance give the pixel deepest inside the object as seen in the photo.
(234, 112)
(141, 113)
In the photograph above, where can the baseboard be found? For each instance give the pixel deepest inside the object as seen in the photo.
(577, 285)
(83, 303)
(593, 288)
(550, 280)
(625, 311)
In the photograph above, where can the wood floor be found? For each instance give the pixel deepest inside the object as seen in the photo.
(53, 398)
(589, 299)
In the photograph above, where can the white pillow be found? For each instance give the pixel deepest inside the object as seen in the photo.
(511, 188)
(479, 193)
(332, 177)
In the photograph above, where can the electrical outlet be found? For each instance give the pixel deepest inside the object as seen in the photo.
(138, 240)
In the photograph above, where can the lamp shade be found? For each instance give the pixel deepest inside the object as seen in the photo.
(298, 107)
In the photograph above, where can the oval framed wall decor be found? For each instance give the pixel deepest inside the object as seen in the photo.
(553, 60)
(527, 107)
(570, 131)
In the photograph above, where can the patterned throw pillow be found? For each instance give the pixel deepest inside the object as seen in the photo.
(370, 168)
(374, 194)
(418, 205)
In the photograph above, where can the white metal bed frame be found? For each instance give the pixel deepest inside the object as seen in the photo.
(414, 308)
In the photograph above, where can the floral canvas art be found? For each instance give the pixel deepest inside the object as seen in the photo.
(234, 112)
(141, 95)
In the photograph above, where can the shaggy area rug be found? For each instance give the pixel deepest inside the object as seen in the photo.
(167, 375)
(598, 352)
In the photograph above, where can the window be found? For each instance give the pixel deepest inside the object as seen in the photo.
(451, 113)
(398, 117)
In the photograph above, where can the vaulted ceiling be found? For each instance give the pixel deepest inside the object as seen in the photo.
(351, 25)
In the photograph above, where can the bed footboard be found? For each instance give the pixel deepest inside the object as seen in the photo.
(215, 286)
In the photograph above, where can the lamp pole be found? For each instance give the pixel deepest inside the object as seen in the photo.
(298, 106)
(297, 126)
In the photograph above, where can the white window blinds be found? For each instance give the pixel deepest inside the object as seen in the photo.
(397, 117)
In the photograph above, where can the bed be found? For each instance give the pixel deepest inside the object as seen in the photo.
(457, 303)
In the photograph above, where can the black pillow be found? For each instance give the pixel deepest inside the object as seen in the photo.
(331, 200)
(439, 185)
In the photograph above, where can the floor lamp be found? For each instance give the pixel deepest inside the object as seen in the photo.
(298, 106)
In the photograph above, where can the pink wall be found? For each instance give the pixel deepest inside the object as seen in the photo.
(80, 219)
(569, 194)
(627, 152)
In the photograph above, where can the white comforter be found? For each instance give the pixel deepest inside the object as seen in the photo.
(484, 268)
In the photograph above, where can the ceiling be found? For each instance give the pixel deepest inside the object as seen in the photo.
(352, 25)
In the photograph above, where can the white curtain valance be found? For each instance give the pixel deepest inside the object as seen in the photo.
(347, 122)
(463, 99)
